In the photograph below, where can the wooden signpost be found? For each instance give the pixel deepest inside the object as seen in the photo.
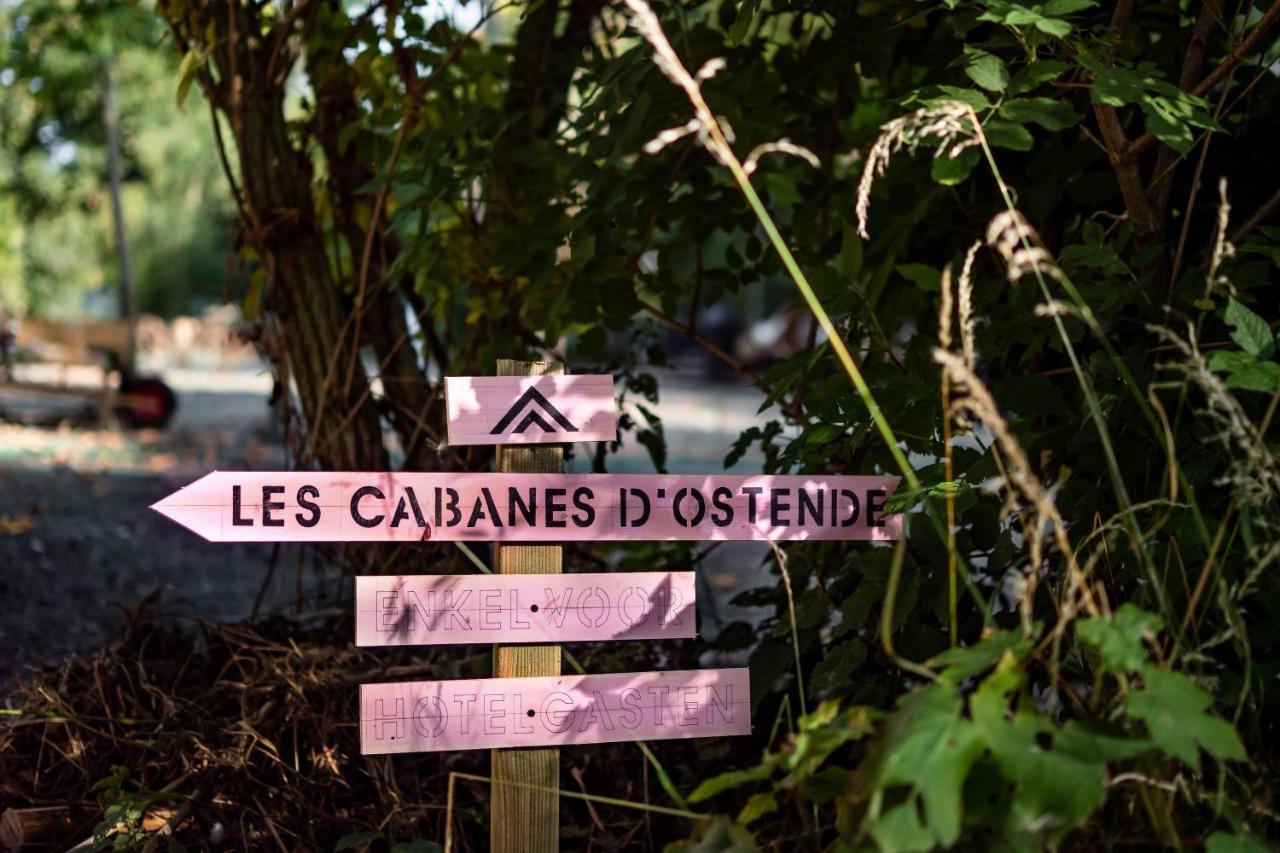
(529, 708)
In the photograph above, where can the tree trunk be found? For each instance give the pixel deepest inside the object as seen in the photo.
(244, 80)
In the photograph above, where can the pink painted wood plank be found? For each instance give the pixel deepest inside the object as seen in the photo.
(418, 610)
(258, 506)
(483, 713)
(530, 409)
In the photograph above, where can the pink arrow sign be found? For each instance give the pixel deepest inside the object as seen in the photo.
(529, 409)
(257, 506)
(441, 609)
(431, 716)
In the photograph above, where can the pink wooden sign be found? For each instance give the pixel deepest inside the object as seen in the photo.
(530, 409)
(397, 610)
(257, 506)
(430, 716)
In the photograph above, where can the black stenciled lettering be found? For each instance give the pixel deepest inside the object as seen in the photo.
(269, 506)
(874, 519)
(806, 502)
(556, 506)
(364, 492)
(529, 511)
(494, 517)
(408, 501)
(236, 520)
(582, 501)
(451, 504)
(722, 501)
(304, 495)
(857, 508)
(477, 512)
(751, 492)
(778, 504)
(643, 518)
(700, 507)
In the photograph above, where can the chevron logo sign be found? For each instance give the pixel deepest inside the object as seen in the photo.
(530, 409)
(536, 406)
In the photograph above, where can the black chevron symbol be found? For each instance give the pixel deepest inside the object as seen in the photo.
(532, 396)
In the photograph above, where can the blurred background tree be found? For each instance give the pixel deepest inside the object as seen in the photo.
(58, 247)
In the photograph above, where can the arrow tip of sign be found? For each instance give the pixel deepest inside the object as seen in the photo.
(182, 507)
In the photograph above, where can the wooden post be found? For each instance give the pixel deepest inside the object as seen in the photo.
(527, 819)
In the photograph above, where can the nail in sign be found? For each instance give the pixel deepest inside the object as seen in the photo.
(431, 716)
(530, 409)
(248, 506)
(442, 609)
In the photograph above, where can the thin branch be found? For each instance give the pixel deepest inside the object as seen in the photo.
(703, 341)
(1229, 62)
(1264, 213)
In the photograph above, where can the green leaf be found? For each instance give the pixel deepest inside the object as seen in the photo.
(1058, 8)
(1119, 641)
(1053, 26)
(357, 839)
(1174, 710)
(732, 779)
(932, 748)
(821, 733)
(1033, 74)
(923, 276)
(986, 70)
(1223, 842)
(1006, 134)
(963, 662)
(716, 835)
(1046, 112)
(1251, 331)
(833, 672)
(757, 807)
(191, 62)
(950, 171)
(747, 10)
(1053, 789)
(1244, 371)
(972, 97)
(899, 829)
(417, 845)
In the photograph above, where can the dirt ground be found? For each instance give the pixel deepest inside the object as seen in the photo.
(79, 546)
